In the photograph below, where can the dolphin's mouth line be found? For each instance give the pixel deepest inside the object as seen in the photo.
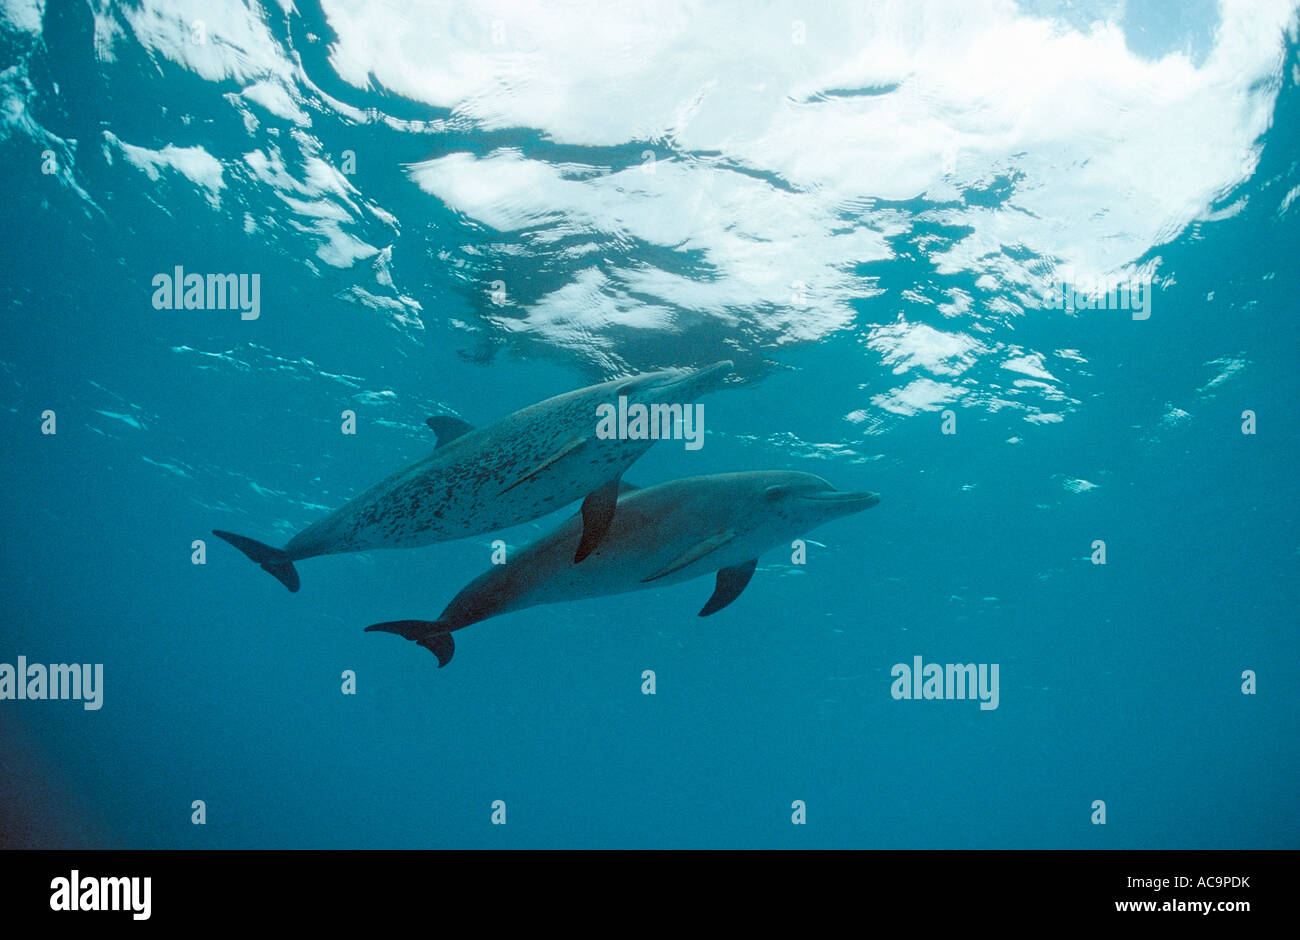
(699, 376)
(834, 496)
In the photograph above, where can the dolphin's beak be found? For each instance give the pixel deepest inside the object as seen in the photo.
(844, 503)
(700, 381)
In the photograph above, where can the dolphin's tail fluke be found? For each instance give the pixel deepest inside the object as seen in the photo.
(431, 634)
(273, 560)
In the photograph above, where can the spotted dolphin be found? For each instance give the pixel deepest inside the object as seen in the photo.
(523, 466)
(660, 535)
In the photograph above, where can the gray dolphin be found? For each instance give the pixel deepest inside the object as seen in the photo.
(660, 535)
(523, 466)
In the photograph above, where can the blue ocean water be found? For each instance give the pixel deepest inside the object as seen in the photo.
(465, 209)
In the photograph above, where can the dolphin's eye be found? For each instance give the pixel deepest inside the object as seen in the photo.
(625, 389)
(775, 492)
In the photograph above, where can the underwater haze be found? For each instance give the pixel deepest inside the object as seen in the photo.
(1026, 270)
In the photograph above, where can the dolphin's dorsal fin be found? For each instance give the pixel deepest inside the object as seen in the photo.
(597, 514)
(448, 428)
(565, 449)
(731, 581)
(694, 553)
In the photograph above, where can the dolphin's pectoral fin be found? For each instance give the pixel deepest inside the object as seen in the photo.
(448, 428)
(597, 514)
(694, 553)
(428, 633)
(567, 448)
(274, 561)
(731, 581)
